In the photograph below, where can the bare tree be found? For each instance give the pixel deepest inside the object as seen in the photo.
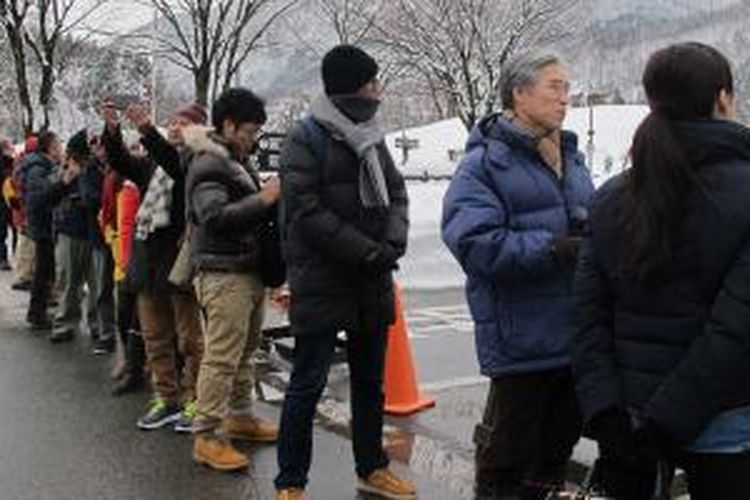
(456, 49)
(350, 20)
(212, 38)
(13, 16)
(44, 27)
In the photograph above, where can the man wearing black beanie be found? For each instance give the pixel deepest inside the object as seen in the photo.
(346, 227)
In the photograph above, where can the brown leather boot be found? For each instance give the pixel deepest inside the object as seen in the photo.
(217, 452)
(386, 484)
(251, 428)
(290, 494)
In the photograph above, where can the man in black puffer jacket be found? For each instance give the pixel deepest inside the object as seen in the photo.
(346, 227)
(226, 202)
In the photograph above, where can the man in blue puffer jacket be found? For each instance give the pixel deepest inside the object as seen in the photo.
(513, 217)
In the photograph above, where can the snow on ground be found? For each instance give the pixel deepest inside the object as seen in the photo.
(428, 264)
(435, 142)
(614, 127)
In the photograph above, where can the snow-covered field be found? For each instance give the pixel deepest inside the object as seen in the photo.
(428, 264)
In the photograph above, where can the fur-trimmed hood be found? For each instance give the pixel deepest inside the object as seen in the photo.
(200, 139)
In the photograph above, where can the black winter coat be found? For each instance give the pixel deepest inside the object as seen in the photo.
(329, 234)
(223, 204)
(676, 352)
(152, 259)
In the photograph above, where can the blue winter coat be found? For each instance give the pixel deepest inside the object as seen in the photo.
(501, 214)
(43, 189)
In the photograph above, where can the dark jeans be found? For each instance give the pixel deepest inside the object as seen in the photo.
(710, 476)
(127, 317)
(4, 224)
(44, 275)
(104, 321)
(531, 424)
(715, 476)
(312, 359)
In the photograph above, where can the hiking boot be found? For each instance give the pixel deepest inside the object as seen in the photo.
(218, 453)
(385, 483)
(39, 322)
(63, 334)
(251, 428)
(290, 494)
(104, 346)
(133, 378)
(130, 382)
(159, 414)
(185, 422)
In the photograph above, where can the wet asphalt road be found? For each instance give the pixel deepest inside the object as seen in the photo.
(63, 437)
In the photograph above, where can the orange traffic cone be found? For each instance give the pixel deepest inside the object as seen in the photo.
(401, 392)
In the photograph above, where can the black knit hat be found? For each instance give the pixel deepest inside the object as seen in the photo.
(346, 69)
(78, 145)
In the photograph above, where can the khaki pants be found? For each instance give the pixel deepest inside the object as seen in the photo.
(73, 269)
(23, 259)
(171, 322)
(233, 307)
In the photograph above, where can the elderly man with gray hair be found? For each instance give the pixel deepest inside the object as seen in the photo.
(513, 217)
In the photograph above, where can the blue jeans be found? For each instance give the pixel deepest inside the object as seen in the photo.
(312, 359)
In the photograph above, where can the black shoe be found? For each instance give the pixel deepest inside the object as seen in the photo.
(23, 286)
(38, 323)
(104, 346)
(64, 334)
(5, 265)
(130, 382)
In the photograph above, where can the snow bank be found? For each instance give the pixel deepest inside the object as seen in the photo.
(428, 264)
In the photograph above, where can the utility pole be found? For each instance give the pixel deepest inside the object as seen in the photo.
(590, 148)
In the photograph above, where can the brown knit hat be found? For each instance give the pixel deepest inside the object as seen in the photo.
(195, 113)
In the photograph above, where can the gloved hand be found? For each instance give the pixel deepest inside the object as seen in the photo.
(382, 260)
(654, 442)
(566, 248)
(613, 430)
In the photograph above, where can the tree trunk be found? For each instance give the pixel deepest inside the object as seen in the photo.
(22, 81)
(202, 79)
(45, 93)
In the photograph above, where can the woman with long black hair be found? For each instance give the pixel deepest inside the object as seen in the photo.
(662, 291)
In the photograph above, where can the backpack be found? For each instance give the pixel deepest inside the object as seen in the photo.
(317, 137)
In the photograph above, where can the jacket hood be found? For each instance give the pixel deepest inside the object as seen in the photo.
(713, 141)
(495, 127)
(200, 140)
(36, 159)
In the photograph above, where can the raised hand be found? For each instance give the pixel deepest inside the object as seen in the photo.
(110, 116)
(139, 115)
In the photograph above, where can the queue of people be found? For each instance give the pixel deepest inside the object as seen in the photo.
(621, 314)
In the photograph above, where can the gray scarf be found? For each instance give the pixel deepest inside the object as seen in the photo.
(363, 138)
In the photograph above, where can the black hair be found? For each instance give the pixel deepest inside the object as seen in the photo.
(682, 82)
(239, 105)
(45, 140)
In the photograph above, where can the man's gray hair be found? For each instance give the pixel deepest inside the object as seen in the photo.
(523, 71)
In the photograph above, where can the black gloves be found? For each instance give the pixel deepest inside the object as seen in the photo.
(613, 430)
(566, 248)
(382, 260)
